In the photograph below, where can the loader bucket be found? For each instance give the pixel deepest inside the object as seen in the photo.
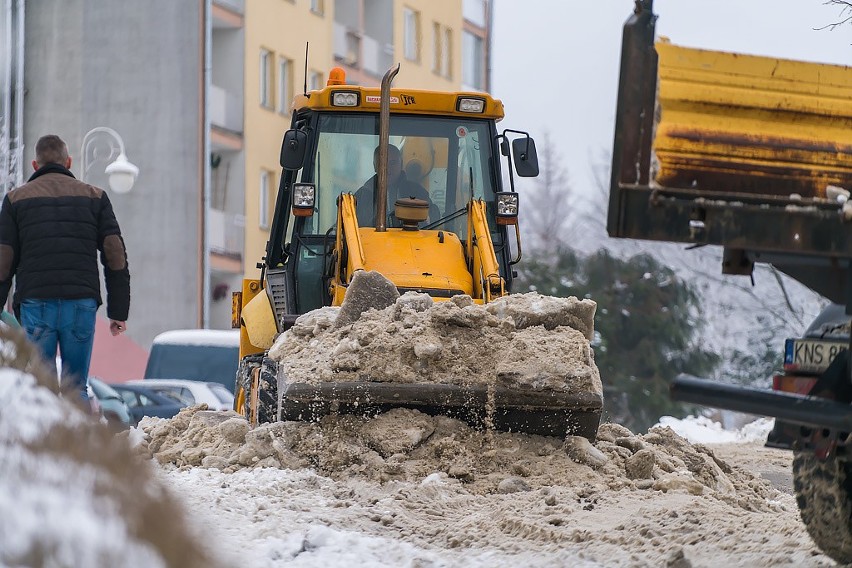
(545, 413)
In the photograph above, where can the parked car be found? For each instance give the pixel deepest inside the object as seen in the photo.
(142, 401)
(205, 355)
(806, 358)
(94, 403)
(216, 396)
(113, 407)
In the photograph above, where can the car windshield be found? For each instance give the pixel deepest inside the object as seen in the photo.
(450, 158)
(174, 393)
(102, 390)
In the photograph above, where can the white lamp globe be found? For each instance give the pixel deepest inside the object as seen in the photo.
(122, 174)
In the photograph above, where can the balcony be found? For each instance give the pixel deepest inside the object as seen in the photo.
(225, 110)
(237, 6)
(377, 56)
(226, 237)
(347, 45)
(228, 14)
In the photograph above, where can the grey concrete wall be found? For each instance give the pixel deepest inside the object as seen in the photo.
(135, 67)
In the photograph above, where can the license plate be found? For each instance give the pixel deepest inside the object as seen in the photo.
(811, 355)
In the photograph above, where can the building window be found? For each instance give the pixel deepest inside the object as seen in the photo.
(285, 94)
(263, 199)
(447, 54)
(443, 49)
(473, 61)
(315, 82)
(411, 34)
(266, 78)
(436, 47)
(475, 11)
(316, 7)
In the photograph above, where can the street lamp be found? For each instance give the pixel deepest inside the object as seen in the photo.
(122, 174)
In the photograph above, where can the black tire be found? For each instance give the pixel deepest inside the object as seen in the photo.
(824, 495)
(267, 395)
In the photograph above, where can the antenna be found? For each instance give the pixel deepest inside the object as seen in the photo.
(307, 44)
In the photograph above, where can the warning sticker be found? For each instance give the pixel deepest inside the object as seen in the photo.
(376, 99)
(461, 131)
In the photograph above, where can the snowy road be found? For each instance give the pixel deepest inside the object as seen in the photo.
(741, 515)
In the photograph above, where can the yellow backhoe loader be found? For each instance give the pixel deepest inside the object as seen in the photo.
(445, 230)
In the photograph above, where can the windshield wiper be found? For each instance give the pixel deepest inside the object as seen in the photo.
(445, 218)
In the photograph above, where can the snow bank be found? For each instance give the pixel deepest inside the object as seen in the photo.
(71, 495)
(702, 430)
(414, 490)
(405, 445)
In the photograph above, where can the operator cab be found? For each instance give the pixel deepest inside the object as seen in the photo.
(443, 150)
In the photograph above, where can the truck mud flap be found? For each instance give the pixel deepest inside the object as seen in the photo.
(545, 413)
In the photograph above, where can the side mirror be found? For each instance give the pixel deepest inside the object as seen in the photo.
(526, 160)
(293, 149)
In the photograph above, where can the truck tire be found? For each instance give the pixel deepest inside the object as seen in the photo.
(267, 394)
(824, 495)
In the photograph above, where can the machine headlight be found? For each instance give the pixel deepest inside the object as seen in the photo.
(507, 208)
(344, 99)
(466, 104)
(304, 195)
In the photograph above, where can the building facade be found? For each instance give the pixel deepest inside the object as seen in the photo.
(439, 45)
(199, 92)
(88, 64)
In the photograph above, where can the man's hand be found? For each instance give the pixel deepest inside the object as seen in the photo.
(117, 327)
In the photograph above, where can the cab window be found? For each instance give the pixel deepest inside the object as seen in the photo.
(450, 158)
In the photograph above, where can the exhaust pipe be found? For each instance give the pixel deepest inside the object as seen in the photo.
(814, 412)
(384, 137)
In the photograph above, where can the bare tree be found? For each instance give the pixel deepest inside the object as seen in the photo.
(845, 14)
(549, 218)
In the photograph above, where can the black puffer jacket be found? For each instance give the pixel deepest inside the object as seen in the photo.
(51, 229)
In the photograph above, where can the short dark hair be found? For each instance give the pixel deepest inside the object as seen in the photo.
(391, 148)
(51, 149)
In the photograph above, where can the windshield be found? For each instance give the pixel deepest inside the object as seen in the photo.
(449, 158)
(102, 390)
(222, 394)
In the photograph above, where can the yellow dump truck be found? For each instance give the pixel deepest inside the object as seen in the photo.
(754, 155)
(407, 184)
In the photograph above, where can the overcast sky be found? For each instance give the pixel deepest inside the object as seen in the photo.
(555, 62)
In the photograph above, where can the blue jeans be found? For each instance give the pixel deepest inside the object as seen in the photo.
(68, 325)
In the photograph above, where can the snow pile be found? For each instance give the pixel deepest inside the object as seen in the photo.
(405, 445)
(409, 489)
(69, 494)
(703, 430)
(524, 341)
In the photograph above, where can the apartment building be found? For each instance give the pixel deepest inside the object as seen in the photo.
(144, 70)
(199, 91)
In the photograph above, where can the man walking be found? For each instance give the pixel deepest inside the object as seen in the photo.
(51, 230)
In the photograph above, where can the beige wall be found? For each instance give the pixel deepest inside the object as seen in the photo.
(281, 27)
(419, 75)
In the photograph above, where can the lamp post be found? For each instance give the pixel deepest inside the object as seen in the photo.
(122, 174)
